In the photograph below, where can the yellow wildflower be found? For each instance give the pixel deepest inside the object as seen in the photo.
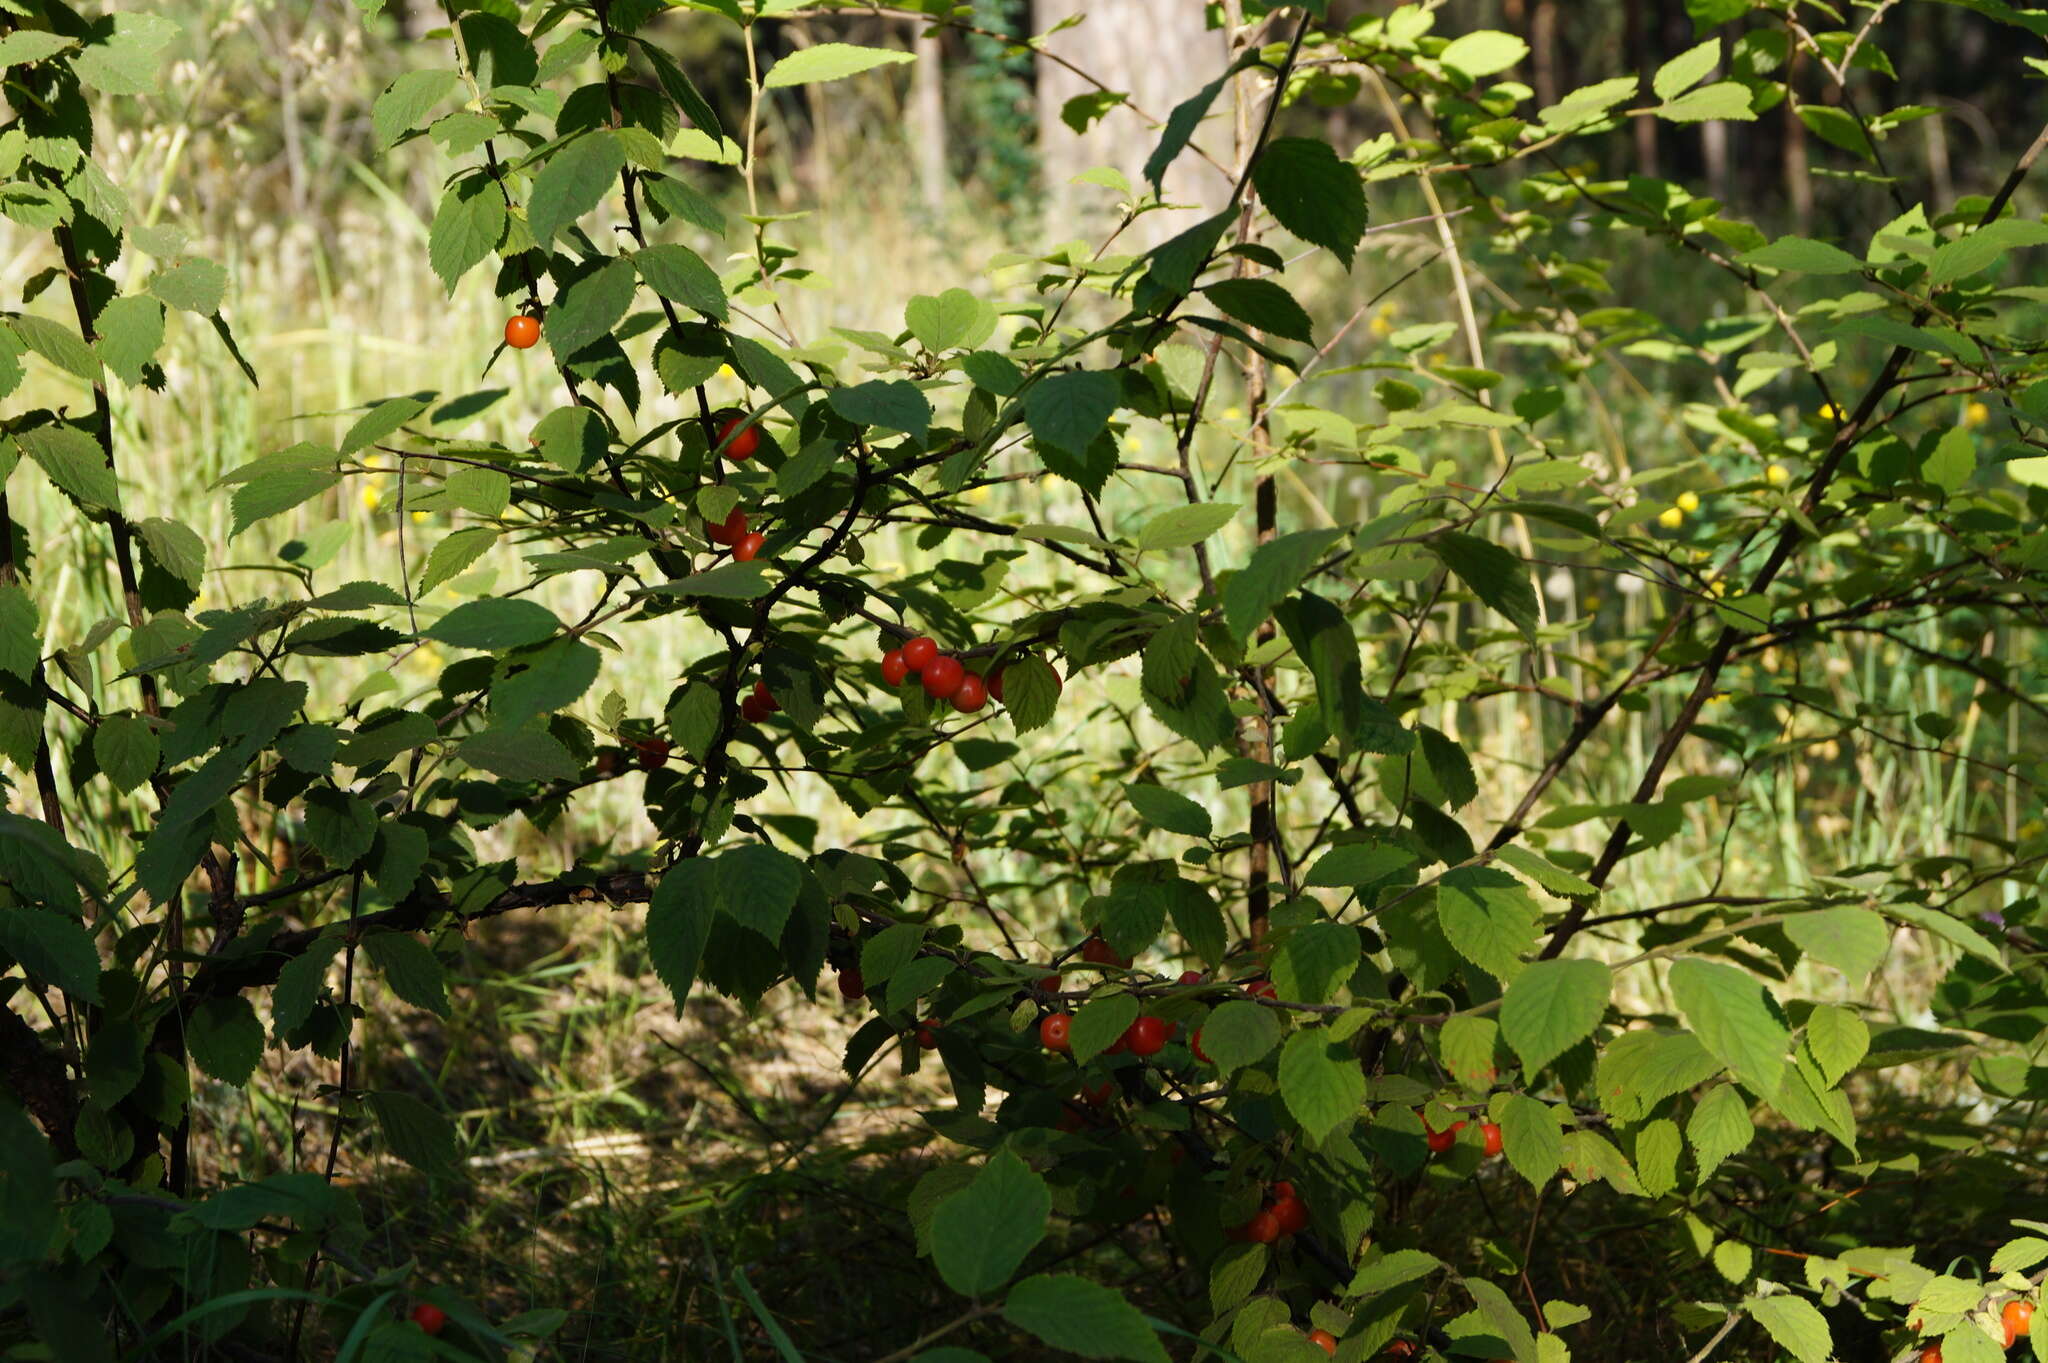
(1688, 502)
(1976, 414)
(372, 498)
(1671, 518)
(1830, 412)
(978, 494)
(1777, 475)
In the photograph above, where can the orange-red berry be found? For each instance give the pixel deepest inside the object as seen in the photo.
(522, 332)
(1146, 1036)
(918, 652)
(972, 695)
(739, 439)
(1324, 1340)
(426, 1315)
(748, 546)
(894, 669)
(1055, 1031)
(943, 677)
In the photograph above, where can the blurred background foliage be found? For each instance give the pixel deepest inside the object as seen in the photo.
(620, 1151)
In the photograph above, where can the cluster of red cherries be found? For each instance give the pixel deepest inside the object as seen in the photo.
(944, 677)
(740, 441)
(1441, 1141)
(1283, 1213)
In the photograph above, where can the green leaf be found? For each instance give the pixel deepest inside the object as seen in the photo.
(412, 971)
(1488, 918)
(1837, 1039)
(1852, 940)
(1163, 808)
(452, 555)
(1731, 1013)
(1067, 411)
(415, 1132)
(20, 631)
(1470, 1050)
(573, 182)
(1530, 1138)
(894, 404)
(175, 547)
(1239, 1033)
(2017, 1256)
(1502, 1320)
(125, 54)
(225, 1039)
(126, 748)
(1098, 1024)
(26, 46)
(58, 344)
(1264, 306)
(1494, 575)
(1952, 462)
(1177, 527)
(981, 1234)
(1353, 864)
(131, 331)
(1686, 70)
(1484, 52)
(76, 463)
(52, 948)
(1726, 99)
(1803, 255)
(679, 924)
(495, 623)
(1657, 1149)
(279, 491)
(1720, 1126)
(1315, 960)
(1275, 570)
(758, 886)
(591, 306)
(1395, 1268)
(407, 101)
(1320, 1081)
(1083, 1318)
(467, 227)
(731, 581)
(1313, 193)
(1551, 1007)
(1796, 1324)
(528, 754)
(680, 275)
(952, 320)
(1641, 1068)
(194, 285)
(830, 61)
(380, 421)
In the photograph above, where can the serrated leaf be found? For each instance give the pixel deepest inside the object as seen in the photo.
(680, 275)
(1316, 195)
(981, 1234)
(495, 623)
(407, 101)
(467, 227)
(1484, 52)
(952, 320)
(53, 948)
(1098, 1024)
(572, 183)
(1530, 1138)
(1724, 100)
(1720, 1126)
(1494, 575)
(1803, 255)
(225, 1039)
(1730, 1012)
(452, 555)
(1837, 1039)
(893, 404)
(1552, 1006)
(412, 971)
(1082, 1317)
(1488, 918)
(1069, 410)
(1315, 961)
(1239, 1033)
(415, 1132)
(1796, 1324)
(829, 61)
(126, 748)
(1178, 527)
(1320, 1081)
(1163, 808)
(1686, 70)
(1264, 306)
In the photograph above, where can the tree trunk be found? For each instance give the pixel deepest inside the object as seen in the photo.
(1157, 52)
(928, 122)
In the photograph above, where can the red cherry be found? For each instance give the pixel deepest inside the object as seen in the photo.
(522, 332)
(2018, 1318)
(995, 683)
(1146, 1036)
(972, 695)
(1190, 977)
(1400, 1348)
(1279, 1192)
(1095, 951)
(943, 677)
(429, 1317)
(1441, 1141)
(748, 546)
(1050, 984)
(928, 1033)
(919, 651)
(1292, 1214)
(752, 710)
(653, 752)
(768, 701)
(851, 985)
(739, 439)
(1054, 1031)
(729, 530)
(1490, 1133)
(1099, 1095)
(1262, 989)
(1324, 1340)
(1263, 1229)
(1931, 1354)
(1195, 1045)
(894, 669)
